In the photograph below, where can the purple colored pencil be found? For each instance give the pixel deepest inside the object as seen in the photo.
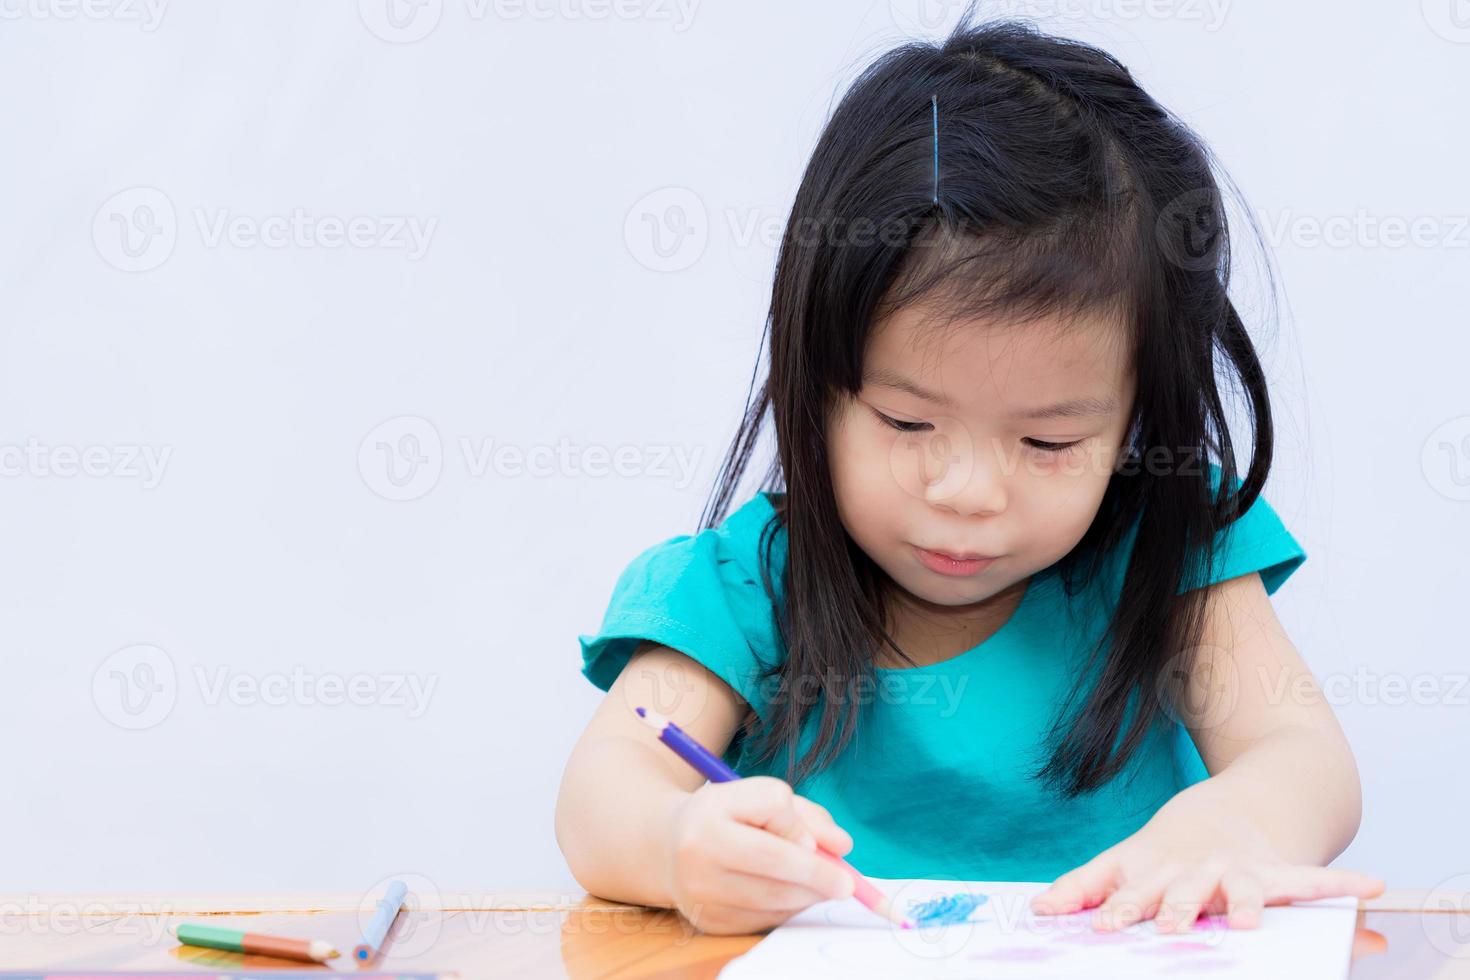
(713, 768)
(709, 765)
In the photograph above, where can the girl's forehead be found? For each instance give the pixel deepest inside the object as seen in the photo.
(960, 358)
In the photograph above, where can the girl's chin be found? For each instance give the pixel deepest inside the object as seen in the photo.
(949, 594)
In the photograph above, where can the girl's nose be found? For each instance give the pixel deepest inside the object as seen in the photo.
(971, 482)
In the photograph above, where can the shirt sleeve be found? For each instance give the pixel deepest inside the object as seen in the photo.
(1257, 541)
(695, 595)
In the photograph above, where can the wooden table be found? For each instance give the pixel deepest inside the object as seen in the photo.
(529, 934)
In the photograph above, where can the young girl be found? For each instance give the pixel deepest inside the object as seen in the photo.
(993, 616)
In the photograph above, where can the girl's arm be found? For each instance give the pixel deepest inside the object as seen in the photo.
(1283, 797)
(637, 824)
(1276, 754)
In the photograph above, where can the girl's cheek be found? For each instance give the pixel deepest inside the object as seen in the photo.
(1072, 504)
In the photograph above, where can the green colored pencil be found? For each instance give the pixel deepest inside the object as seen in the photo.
(238, 941)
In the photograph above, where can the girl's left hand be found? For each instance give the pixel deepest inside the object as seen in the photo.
(1188, 861)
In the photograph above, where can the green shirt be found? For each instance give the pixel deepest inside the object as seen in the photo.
(936, 782)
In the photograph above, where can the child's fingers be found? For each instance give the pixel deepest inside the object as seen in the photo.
(730, 922)
(823, 827)
(757, 893)
(1185, 897)
(1079, 888)
(767, 803)
(1244, 897)
(719, 919)
(757, 852)
(1305, 882)
(1134, 901)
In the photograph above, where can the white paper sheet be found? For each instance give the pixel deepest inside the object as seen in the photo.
(1003, 938)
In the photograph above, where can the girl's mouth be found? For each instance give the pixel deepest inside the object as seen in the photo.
(938, 561)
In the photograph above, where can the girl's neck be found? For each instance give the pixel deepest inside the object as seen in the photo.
(931, 633)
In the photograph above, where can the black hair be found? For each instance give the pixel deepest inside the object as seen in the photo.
(1062, 187)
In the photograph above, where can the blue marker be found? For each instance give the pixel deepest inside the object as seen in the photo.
(377, 929)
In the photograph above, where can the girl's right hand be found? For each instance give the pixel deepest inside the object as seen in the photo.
(743, 855)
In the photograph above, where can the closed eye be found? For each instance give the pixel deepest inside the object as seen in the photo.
(1051, 447)
(900, 425)
(1041, 444)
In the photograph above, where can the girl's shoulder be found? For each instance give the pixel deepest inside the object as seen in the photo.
(1256, 541)
(704, 595)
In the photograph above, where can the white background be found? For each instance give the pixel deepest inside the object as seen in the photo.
(533, 144)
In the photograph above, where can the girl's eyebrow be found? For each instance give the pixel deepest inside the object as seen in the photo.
(886, 378)
(1072, 408)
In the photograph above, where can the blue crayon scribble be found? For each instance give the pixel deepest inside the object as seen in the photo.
(946, 909)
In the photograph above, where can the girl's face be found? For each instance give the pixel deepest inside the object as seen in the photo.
(976, 440)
